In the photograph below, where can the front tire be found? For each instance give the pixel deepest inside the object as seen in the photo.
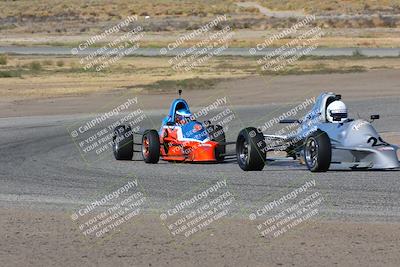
(151, 146)
(250, 149)
(123, 143)
(318, 152)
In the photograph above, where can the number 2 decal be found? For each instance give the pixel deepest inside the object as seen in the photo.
(377, 141)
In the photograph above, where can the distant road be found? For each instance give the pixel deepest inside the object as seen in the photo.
(47, 50)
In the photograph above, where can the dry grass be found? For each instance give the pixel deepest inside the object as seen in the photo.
(116, 9)
(121, 8)
(325, 41)
(350, 6)
(85, 18)
(243, 38)
(152, 74)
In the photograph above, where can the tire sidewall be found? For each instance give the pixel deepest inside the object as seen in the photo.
(324, 151)
(154, 146)
(123, 143)
(256, 156)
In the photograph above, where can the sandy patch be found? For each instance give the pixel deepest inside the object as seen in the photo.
(50, 238)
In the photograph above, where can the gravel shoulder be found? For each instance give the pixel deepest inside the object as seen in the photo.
(42, 239)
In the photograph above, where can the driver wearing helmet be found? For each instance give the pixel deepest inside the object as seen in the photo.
(336, 112)
(182, 116)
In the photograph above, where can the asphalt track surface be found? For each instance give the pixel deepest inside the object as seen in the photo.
(42, 168)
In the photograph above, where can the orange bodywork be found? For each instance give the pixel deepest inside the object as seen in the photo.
(172, 149)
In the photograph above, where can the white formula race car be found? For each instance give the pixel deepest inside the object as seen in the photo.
(324, 137)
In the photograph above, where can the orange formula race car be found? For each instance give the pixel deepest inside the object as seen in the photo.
(181, 138)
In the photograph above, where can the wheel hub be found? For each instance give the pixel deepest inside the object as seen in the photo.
(311, 152)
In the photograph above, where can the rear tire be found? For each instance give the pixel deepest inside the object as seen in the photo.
(151, 146)
(217, 134)
(250, 149)
(318, 152)
(123, 143)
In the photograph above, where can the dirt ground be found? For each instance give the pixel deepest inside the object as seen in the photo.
(33, 238)
(264, 90)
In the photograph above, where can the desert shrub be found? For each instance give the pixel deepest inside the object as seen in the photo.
(10, 73)
(35, 66)
(3, 59)
(60, 63)
(47, 62)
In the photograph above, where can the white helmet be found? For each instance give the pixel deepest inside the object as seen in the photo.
(336, 112)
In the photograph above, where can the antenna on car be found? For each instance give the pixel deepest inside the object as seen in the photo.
(180, 93)
(374, 117)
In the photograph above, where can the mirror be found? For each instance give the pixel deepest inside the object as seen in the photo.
(338, 97)
(290, 121)
(375, 117)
